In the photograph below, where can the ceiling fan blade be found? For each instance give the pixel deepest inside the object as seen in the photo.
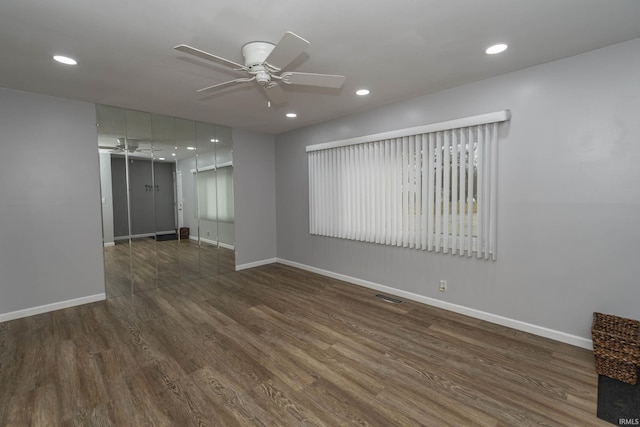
(111, 149)
(275, 94)
(287, 49)
(312, 79)
(209, 57)
(229, 83)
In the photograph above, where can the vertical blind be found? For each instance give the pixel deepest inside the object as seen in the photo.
(215, 194)
(432, 188)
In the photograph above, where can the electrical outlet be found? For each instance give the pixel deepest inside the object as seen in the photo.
(443, 285)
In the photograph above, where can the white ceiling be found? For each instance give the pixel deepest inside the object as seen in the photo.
(397, 49)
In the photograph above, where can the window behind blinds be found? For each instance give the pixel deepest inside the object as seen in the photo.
(215, 194)
(432, 188)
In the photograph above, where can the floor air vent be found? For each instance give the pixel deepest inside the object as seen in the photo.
(388, 299)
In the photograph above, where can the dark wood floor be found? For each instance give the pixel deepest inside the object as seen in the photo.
(277, 346)
(144, 263)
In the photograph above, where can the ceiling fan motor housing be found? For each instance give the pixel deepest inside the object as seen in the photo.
(255, 53)
(127, 144)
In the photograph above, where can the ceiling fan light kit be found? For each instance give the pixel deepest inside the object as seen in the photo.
(265, 61)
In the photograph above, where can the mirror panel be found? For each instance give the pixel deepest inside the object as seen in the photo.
(206, 206)
(185, 150)
(142, 189)
(226, 221)
(113, 185)
(165, 206)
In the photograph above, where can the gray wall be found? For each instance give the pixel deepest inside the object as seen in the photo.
(226, 233)
(50, 222)
(569, 199)
(254, 197)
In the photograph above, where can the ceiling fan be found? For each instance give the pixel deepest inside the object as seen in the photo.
(129, 145)
(264, 63)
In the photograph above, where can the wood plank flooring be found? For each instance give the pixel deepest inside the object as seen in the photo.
(143, 264)
(277, 346)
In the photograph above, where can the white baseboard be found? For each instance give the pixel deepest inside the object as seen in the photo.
(208, 241)
(134, 236)
(143, 235)
(51, 307)
(471, 312)
(108, 244)
(256, 264)
(213, 242)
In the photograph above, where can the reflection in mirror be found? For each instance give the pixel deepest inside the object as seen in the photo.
(167, 192)
(185, 154)
(165, 208)
(225, 212)
(113, 185)
(141, 199)
(206, 204)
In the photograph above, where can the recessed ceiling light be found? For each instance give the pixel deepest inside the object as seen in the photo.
(161, 158)
(496, 48)
(292, 115)
(191, 148)
(362, 92)
(173, 154)
(65, 60)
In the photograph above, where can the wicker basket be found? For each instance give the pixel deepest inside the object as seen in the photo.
(616, 346)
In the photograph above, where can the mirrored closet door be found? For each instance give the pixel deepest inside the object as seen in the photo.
(167, 199)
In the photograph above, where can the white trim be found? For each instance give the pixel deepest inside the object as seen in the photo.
(227, 246)
(497, 116)
(256, 264)
(471, 312)
(108, 244)
(215, 243)
(51, 307)
(208, 241)
(142, 235)
(213, 167)
(135, 236)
